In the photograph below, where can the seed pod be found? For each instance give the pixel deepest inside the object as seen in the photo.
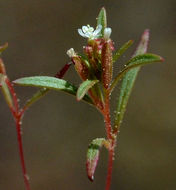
(81, 67)
(107, 66)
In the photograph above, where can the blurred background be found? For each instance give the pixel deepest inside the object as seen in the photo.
(58, 129)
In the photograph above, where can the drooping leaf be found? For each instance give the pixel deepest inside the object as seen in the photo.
(137, 61)
(50, 83)
(122, 50)
(5, 90)
(3, 47)
(102, 20)
(93, 156)
(84, 87)
(129, 80)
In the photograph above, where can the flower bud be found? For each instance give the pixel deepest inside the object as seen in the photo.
(71, 53)
(107, 33)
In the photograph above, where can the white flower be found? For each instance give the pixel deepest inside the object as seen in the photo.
(89, 32)
(71, 53)
(107, 33)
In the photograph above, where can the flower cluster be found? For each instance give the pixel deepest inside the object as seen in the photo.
(96, 63)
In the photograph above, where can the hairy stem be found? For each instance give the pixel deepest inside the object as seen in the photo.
(109, 174)
(21, 153)
(107, 119)
(18, 117)
(12, 91)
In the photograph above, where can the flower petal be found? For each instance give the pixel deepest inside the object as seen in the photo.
(81, 33)
(85, 29)
(97, 31)
(91, 29)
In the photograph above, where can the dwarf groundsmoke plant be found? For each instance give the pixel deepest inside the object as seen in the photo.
(95, 68)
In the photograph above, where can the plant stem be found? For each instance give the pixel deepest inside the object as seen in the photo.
(17, 114)
(107, 117)
(110, 138)
(21, 153)
(109, 174)
(12, 91)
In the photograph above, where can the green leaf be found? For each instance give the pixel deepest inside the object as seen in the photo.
(4, 47)
(122, 50)
(50, 83)
(137, 61)
(102, 20)
(93, 156)
(5, 90)
(128, 81)
(84, 87)
(39, 94)
(144, 59)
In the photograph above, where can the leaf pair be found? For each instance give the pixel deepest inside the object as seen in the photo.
(60, 84)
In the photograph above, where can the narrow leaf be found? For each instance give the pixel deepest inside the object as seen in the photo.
(50, 83)
(84, 87)
(144, 58)
(122, 50)
(5, 91)
(102, 20)
(129, 80)
(137, 61)
(93, 156)
(39, 94)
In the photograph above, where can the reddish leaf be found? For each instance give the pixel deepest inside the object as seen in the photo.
(93, 156)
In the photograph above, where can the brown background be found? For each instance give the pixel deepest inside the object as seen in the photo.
(57, 129)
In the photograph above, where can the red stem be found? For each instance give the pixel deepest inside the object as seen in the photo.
(18, 117)
(12, 91)
(20, 146)
(109, 174)
(107, 119)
